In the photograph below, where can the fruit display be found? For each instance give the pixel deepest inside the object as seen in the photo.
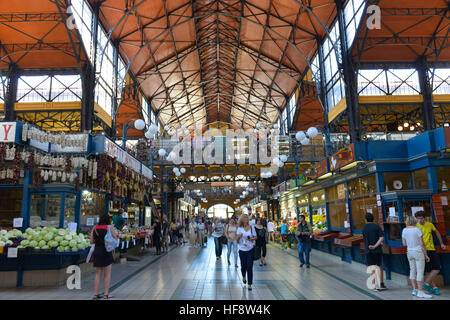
(319, 223)
(63, 240)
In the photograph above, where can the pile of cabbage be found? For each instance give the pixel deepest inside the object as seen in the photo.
(62, 240)
(10, 238)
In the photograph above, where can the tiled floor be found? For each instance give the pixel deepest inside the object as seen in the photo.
(194, 273)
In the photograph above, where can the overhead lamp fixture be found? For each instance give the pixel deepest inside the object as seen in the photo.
(406, 124)
(411, 128)
(400, 128)
(446, 124)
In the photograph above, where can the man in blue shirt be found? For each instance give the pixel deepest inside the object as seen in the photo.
(284, 235)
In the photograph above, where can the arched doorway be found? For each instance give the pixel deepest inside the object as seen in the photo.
(220, 210)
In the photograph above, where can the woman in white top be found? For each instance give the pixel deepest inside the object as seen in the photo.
(270, 229)
(246, 236)
(417, 255)
(231, 234)
(201, 231)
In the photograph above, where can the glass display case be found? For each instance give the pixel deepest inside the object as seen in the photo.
(93, 205)
(11, 200)
(337, 206)
(45, 210)
(318, 211)
(69, 209)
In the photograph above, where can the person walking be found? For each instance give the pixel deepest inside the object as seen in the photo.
(201, 231)
(303, 233)
(373, 239)
(231, 234)
(433, 266)
(246, 235)
(165, 234)
(193, 230)
(270, 230)
(157, 235)
(217, 233)
(102, 259)
(284, 234)
(174, 232)
(261, 241)
(417, 255)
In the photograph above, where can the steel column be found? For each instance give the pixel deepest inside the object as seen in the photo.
(350, 79)
(11, 92)
(427, 93)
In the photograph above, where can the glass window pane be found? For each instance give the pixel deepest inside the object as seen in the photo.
(420, 179)
(45, 210)
(93, 205)
(317, 198)
(360, 207)
(362, 186)
(418, 205)
(11, 207)
(319, 220)
(443, 176)
(69, 210)
(397, 181)
(337, 213)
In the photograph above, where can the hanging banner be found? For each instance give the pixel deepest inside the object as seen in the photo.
(121, 155)
(8, 131)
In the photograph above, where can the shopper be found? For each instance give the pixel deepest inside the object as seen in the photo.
(193, 230)
(253, 220)
(157, 235)
(174, 232)
(217, 233)
(284, 235)
(270, 230)
(433, 266)
(417, 255)
(303, 233)
(201, 231)
(165, 235)
(246, 236)
(231, 234)
(260, 241)
(118, 220)
(373, 240)
(102, 259)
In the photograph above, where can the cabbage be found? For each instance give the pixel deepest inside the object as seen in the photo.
(58, 238)
(3, 231)
(20, 247)
(18, 233)
(74, 249)
(68, 237)
(48, 237)
(62, 232)
(45, 247)
(64, 243)
(9, 242)
(72, 243)
(25, 242)
(29, 230)
(42, 243)
(33, 243)
(60, 248)
(67, 248)
(73, 233)
(2, 244)
(53, 243)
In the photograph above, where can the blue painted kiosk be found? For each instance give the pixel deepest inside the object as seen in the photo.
(391, 180)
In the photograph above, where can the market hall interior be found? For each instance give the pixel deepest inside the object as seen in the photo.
(326, 122)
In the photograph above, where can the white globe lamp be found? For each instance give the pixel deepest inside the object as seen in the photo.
(305, 141)
(139, 124)
(183, 170)
(312, 132)
(300, 136)
(283, 158)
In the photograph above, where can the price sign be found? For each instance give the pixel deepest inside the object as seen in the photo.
(90, 221)
(12, 252)
(17, 222)
(346, 224)
(72, 226)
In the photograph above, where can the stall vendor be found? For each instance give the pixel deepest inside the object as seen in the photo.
(118, 220)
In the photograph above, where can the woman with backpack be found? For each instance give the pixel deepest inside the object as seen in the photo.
(103, 259)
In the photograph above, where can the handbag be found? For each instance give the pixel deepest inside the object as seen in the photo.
(110, 242)
(256, 253)
(90, 256)
(224, 240)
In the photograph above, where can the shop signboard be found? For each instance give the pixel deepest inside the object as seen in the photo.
(342, 158)
(341, 191)
(301, 179)
(282, 187)
(310, 173)
(8, 131)
(221, 184)
(121, 155)
(321, 167)
(146, 172)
